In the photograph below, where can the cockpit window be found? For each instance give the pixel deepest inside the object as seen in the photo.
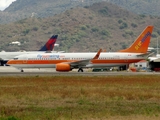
(15, 58)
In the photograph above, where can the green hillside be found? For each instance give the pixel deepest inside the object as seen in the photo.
(21, 9)
(103, 25)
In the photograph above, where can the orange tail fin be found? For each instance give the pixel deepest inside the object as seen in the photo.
(141, 44)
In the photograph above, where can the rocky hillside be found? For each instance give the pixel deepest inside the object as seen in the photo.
(21, 9)
(103, 25)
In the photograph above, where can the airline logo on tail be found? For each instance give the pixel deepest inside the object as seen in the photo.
(141, 43)
(50, 44)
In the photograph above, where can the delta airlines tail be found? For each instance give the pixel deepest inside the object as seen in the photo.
(64, 62)
(141, 43)
(50, 44)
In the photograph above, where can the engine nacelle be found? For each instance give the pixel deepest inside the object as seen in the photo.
(62, 67)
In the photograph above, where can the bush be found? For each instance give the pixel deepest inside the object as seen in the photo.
(129, 32)
(83, 27)
(124, 46)
(25, 32)
(35, 28)
(154, 35)
(158, 32)
(95, 29)
(124, 25)
(120, 21)
(103, 11)
(81, 34)
(142, 16)
(105, 33)
(134, 25)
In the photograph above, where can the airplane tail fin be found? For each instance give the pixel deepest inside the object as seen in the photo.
(50, 44)
(141, 44)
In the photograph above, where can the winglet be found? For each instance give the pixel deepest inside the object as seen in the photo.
(98, 54)
(141, 43)
(50, 44)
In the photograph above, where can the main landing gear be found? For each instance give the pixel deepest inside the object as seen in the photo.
(80, 70)
(22, 70)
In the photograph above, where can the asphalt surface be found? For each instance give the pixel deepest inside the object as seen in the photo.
(10, 71)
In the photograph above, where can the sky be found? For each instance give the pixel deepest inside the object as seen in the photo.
(5, 3)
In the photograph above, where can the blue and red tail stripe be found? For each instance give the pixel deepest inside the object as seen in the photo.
(50, 44)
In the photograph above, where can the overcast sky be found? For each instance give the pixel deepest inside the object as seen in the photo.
(5, 3)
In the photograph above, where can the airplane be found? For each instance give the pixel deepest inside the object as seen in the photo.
(50, 44)
(5, 56)
(65, 62)
(156, 58)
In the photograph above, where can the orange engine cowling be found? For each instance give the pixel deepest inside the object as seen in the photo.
(62, 67)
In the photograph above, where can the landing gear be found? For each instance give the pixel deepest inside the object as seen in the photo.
(80, 70)
(22, 70)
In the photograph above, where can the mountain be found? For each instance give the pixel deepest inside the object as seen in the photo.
(21, 9)
(147, 7)
(102, 25)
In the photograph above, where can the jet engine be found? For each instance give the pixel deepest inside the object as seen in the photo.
(63, 67)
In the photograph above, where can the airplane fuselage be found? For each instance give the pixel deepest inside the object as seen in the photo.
(49, 60)
(5, 56)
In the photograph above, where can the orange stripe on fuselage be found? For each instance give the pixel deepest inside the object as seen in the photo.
(97, 61)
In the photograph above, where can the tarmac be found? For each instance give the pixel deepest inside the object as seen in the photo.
(11, 71)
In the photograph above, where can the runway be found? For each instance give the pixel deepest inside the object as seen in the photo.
(10, 71)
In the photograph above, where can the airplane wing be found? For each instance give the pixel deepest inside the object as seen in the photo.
(81, 63)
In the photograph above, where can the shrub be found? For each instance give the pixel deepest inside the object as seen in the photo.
(104, 11)
(25, 32)
(124, 46)
(142, 16)
(83, 27)
(120, 21)
(35, 28)
(129, 32)
(105, 33)
(81, 34)
(158, 32)
(134, 25)
(95, 29)
(154, 35)
(124, 25)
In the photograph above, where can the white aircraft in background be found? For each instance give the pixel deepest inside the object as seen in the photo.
(64, 62)
(157, 57)
(5, 56)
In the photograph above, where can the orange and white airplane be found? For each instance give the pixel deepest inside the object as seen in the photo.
(68, 61)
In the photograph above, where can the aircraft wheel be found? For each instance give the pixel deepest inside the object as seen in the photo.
(80, 70)
(22, 70)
